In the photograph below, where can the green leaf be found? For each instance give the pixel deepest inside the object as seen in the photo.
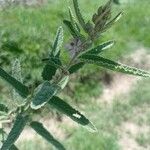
(4, 135)
(16, 130)
(42, 131)
(79, 15)
(100, 48)
(48, 71)
(19, 87)
(75, 115)
(58, 42)
(102, 16)
(63, 82)
(71, 28)
(73, 20)
(16, 70)
(115, 66)
(43, 94)
(113, 21)
(16, 73)
(53, 63)
(3, 108)
(74, 68)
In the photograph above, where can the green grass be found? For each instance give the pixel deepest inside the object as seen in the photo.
(143, 140)
(32, 144)
(107, 119)
(142, 94)
(100, 141)
(33, 29)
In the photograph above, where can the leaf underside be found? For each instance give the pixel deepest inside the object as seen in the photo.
(44, 93)
(63, 82)
(58, 42)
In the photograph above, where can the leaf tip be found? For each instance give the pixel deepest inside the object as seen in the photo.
(91, 128)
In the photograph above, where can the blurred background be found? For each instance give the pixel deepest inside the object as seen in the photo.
(119, 105)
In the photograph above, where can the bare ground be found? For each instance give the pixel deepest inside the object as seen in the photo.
(122, 85)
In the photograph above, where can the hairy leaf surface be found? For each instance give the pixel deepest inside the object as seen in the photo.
(16, 73)
(79, 15)
(115, 66)
(100, 48)
(75, 33)
(58, 42)
(73, 20)
(43, 94)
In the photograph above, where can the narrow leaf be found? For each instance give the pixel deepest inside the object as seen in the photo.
(42, 131)
(104, 14)
(16, 130)
(72, 30)
(19, 87)
(4, 135)
(115, 66)
(113, 21)
(74, 68)
(58, 41)
(43, 94)
(16, 73)
(63, 82)
(100, 48)
(116, 18)
(73, 20)
(16, 70)
(75, 115)
(79, 15)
